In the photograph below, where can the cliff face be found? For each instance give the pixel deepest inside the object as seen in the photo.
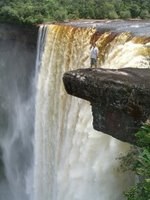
(19, 33)
(120, 99)
(17, 51)
(17, 66)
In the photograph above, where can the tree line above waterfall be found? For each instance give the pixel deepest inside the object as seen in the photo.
(39, 11)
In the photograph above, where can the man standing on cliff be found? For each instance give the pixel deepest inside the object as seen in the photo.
(94, 55)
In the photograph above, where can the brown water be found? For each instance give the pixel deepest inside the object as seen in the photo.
(72, 161)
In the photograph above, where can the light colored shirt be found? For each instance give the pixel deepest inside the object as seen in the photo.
(94, 52)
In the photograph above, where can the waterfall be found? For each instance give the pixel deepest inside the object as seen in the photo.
(17, 61)
(73, 161)
(48, 148)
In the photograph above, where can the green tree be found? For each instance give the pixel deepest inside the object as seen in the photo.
(135, 10)
(145, 14)
(38, 11)
(125, 14)
(138, 160)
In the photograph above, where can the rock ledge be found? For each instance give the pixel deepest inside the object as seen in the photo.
(120, 99)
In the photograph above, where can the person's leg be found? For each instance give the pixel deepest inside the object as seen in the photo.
(92, 62)
(95, 63)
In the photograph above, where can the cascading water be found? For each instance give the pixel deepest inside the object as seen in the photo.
(72, 161)
(17, 61)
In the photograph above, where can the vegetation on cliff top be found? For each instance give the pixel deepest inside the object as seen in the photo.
(39, 11)
(138, 161)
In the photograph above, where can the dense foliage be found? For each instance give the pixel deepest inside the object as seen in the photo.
(138, 160)
(38, 11)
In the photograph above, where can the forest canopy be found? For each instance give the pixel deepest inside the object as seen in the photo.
(39, 11)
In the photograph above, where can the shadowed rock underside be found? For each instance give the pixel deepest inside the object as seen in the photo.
(120, 99)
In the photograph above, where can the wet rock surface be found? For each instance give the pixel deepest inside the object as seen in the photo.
(17, 56)
(120, 99)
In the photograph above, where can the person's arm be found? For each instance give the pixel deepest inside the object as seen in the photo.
(97, 51)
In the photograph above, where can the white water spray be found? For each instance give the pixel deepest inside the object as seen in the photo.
(17, 101)
(72, 161)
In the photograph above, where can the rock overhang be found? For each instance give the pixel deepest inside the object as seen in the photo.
(120, 98)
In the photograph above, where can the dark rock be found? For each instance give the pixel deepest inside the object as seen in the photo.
(17, 69)
(17, 56)
(120, 99)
